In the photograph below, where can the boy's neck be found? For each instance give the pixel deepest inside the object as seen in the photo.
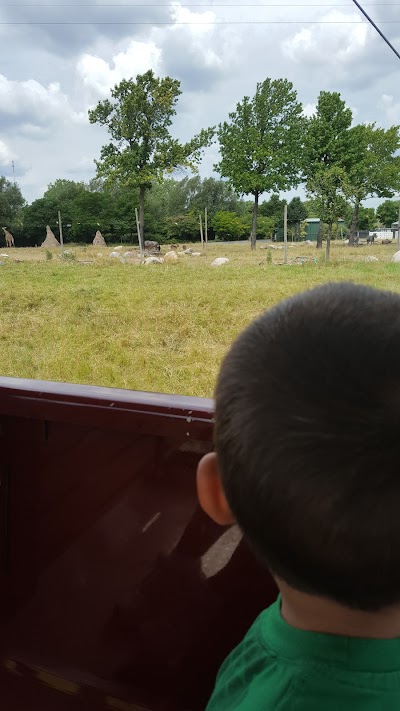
(317, 614)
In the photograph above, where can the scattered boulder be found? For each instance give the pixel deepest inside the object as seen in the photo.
(196, 254)
(99, 240)
(396, 257)
(171, 257)
(99, 254)
(117, 249)
(5, 255)
(220, 261)
(153, 260)
(130, 254)
(51, 240)
(115, 254)
(308, 243)
(188, 251)
(370, 258)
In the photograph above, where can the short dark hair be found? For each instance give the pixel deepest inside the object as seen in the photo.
(307, 435)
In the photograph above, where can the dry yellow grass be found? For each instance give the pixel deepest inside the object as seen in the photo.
(162, 327)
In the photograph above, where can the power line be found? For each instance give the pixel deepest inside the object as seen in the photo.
(207, 24)
(206, 7)
(377, 28)
(220, 22)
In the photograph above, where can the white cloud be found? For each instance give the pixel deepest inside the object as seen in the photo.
(338, 41)
(6, 155)
(29, 108)
(198, 23)
(98, 75)
(198, 27)
(390, 107)
(16, 97)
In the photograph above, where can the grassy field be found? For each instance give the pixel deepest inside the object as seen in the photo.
(160, 327)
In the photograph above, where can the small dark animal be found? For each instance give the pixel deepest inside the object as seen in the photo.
(371, 238)
(151, 246)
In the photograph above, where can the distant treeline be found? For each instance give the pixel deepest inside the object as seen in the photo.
(172, 212)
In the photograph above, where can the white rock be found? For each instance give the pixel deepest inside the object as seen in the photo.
(396, 257)
(153, 260)
(188, 251)
(99, 254)
(117, 249)
(220, 261)
(171, 257)
(370, 258)
(308, 243)
(115, 254)
(196, 254)
(130, 254)
(5, 255)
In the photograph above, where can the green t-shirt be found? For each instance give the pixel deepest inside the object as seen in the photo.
(278, 667)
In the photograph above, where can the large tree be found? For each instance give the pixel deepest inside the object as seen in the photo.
(11, 202)
(296, 213)
(261, 143)
(326, 151)
(274, 207)
(387, 212)
(142, 149)
(366, 219)
(373, 168)
(327, 139)
(329, 189)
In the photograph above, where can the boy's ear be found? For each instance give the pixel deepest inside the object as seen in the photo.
(210, 492)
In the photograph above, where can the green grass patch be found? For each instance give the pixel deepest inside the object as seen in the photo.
(163, 327)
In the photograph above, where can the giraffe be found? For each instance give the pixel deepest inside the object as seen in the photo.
(8, 237)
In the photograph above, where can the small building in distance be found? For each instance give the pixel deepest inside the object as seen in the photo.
(312, 227)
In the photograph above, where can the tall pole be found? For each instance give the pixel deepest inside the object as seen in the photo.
(206, 227)
(398, 229)
(141, 245)
(61, 233)
(285, 231)
(201, 232)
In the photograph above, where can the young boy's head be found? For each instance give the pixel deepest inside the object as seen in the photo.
(307, 437)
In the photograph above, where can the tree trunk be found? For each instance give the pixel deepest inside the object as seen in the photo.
(253, 236)
(354, 220)
(320, 235)
(328, 242)
(141, 211)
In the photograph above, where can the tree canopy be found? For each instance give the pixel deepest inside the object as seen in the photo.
(11, 201)
(261, 144)
(329, 189)
(326, 152)
(142, 149)
(373, 169)
(388, 212)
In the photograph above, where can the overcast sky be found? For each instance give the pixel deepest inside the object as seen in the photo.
(58, 60)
